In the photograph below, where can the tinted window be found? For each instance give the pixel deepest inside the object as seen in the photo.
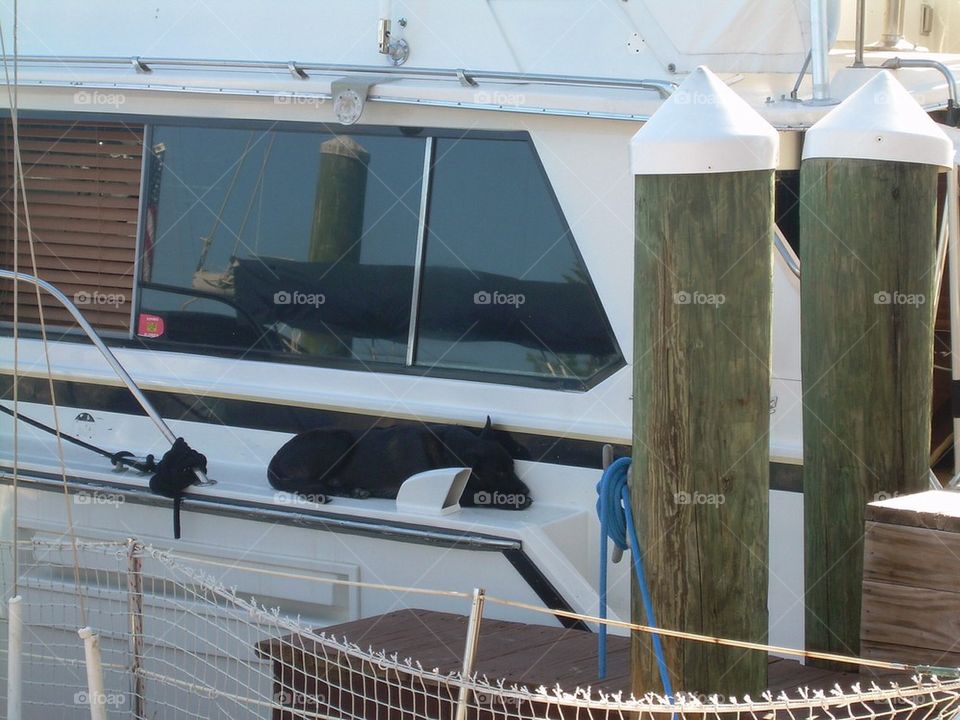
(304, 244)
(274, 240)
(504, 289)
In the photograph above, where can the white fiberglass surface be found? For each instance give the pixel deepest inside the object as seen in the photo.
(559, 532)
(238, 458)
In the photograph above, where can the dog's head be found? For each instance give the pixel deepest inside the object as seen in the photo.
(493, 482)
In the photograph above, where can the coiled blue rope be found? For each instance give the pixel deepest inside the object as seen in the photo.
(616, 524)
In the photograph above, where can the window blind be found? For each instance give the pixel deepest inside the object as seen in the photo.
(83, 185)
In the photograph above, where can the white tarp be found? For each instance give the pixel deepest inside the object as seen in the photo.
(743, 36)
(613, 38)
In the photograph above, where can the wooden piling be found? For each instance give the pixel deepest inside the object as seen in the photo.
(868, 253)
(337, 228)
(702, 299)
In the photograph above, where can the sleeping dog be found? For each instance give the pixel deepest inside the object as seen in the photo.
(375, 463)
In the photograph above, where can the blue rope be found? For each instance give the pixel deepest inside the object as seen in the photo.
(616, 521)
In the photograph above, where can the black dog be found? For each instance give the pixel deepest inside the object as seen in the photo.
(375, 463)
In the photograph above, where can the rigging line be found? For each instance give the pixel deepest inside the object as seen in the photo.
(117, 458)
(16, 329)
(218, 219)
(746, 645)
(257, 189)
(19, 174)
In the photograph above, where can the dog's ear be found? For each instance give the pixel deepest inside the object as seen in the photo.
(485, 433)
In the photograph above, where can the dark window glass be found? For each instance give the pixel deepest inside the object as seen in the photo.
(267, 242)
(787, 206)
(504, 289)
(281, 241)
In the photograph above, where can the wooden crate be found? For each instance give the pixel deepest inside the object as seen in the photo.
(911, 579)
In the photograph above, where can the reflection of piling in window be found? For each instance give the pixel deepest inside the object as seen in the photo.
(337, 222)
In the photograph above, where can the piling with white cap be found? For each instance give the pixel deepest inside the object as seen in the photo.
(868, 255)
(704, 167)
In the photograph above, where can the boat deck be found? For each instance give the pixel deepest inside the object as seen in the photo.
(530, 655)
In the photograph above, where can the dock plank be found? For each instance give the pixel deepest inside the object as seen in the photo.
(912, 556)
(889, 616)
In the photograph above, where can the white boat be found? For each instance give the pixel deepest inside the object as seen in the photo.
(172, 153)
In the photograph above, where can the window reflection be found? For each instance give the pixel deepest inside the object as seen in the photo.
(504, 289)
(305, 233)
(287, 242)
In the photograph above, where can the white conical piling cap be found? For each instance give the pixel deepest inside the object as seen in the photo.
(704, 127)
(880, 121)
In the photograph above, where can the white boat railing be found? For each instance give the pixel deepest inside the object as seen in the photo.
(783, 247)
(301, 71)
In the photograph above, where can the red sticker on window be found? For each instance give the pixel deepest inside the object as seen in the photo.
(149, 326)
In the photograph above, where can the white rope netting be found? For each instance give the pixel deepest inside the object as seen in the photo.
(177, 643)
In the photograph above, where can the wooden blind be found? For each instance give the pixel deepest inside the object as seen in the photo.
(83, 192)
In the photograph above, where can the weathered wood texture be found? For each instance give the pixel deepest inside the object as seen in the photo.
(911, 586)
(912, 556)
(526, 655)
(911, 616)
(701, 418)
(867, 250)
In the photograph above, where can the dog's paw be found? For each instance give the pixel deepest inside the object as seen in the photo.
(360, 493)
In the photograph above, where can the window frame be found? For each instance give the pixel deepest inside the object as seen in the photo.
(409, 367)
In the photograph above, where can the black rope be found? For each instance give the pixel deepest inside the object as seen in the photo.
(123, 457)
(172, 475)
(176, 471)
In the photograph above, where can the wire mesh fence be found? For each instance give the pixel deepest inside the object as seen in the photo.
(177, 642)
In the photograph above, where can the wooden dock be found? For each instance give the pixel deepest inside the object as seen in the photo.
(526, 655)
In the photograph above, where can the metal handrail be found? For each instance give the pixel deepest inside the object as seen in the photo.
(107, 354)
(299, 70)
(786, 252)
(896, 63)
(892, 34)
